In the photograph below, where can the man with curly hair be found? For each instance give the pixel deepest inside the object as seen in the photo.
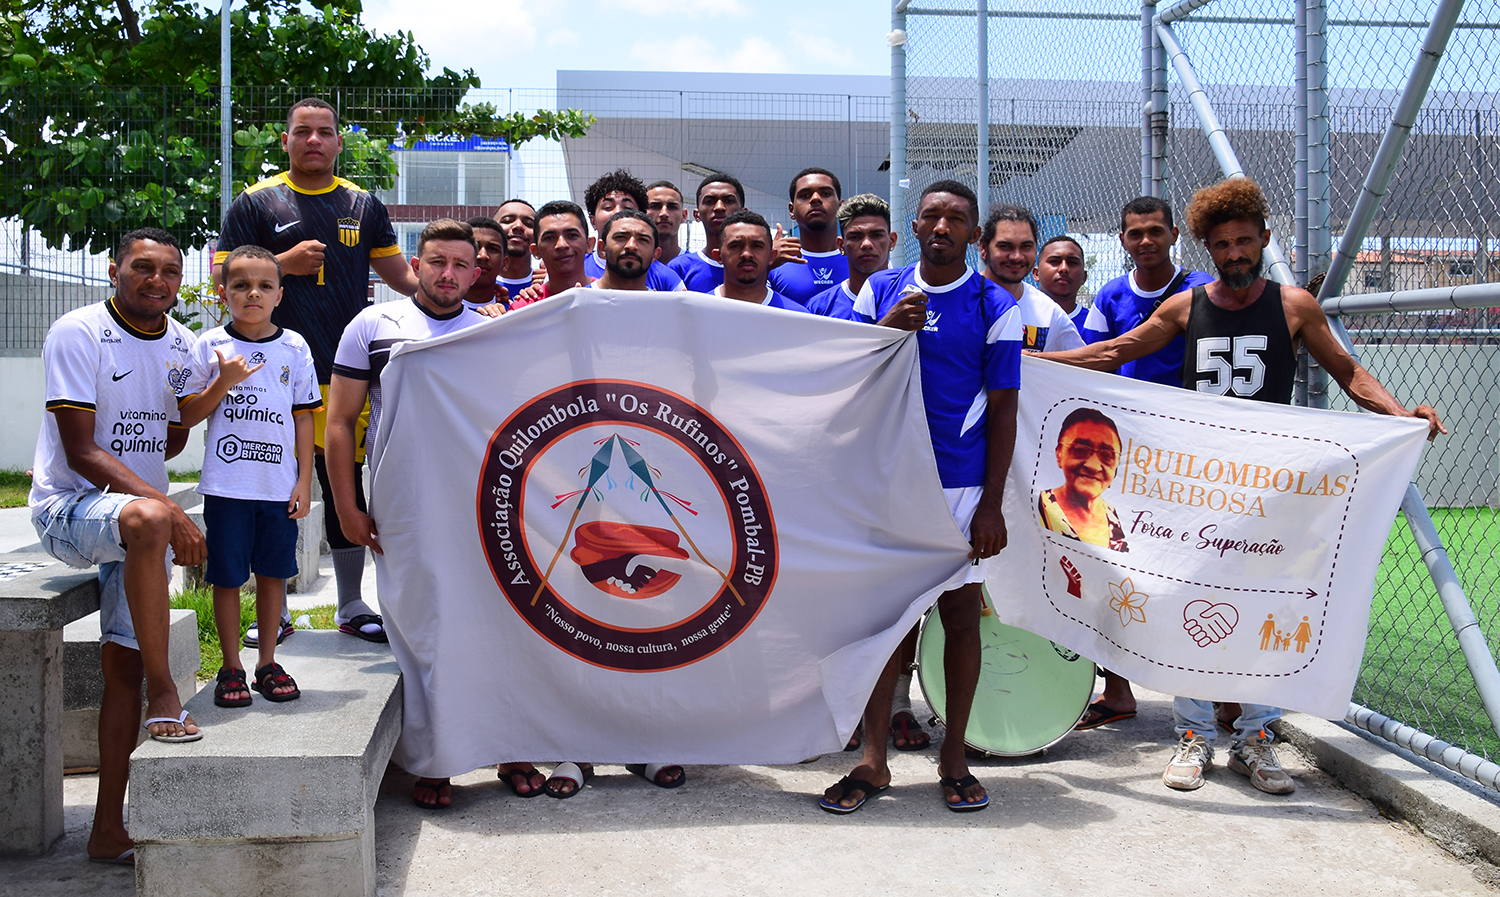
(617, 191)
(1241, 332)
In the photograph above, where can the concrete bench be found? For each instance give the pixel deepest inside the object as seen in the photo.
(309, 546)
(276, 798)
(38, 597)
(83, 681)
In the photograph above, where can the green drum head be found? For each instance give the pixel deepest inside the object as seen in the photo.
(1031, 691)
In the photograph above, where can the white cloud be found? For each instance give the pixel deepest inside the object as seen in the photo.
(691, 8)
(694, 53)
(563, 37)
(815, 52)
(458, 34)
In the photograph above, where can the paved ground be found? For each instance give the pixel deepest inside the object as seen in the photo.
(1091, 815)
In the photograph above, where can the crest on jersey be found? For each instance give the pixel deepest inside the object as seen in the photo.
(286, 375)
(349, 231)
(258, 358)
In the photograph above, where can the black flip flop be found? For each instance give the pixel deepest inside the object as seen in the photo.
(1099, 714)
(849, 783)
(909, 732)
(958, 785)
(230, 680)
(509, 778)
(353, 628)
(435, 788)
(271, 677)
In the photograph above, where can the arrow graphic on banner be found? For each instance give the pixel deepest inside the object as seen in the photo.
(597, 468)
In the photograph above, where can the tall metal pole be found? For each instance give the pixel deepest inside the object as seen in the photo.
(1159, 117)
(983, 163)
(1218, 141)
(1413, 95)
(897, 41)
(1299, 202)
(226, 117)
(1319, 178)
(1148, 32)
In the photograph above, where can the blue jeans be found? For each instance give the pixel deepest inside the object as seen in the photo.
(1191, 713)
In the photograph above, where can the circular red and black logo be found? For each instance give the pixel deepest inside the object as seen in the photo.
(626, 525)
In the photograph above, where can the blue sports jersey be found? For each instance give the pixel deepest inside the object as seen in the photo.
(1079, 315)
(970, 345)
(773, 300)
(1121, 307)
(658, 276)
(834, 302)
(699, 273)
(802, 282)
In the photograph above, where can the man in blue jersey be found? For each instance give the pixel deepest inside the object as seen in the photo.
(808, 264)
(665, 208)
(969, 340)
(719, 196)
(866, 240)
(1147, 235)
(517, 220)
(612, 193)
(1060, 273)
(745, 251)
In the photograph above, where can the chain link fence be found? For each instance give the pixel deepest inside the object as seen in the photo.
(84, 165)
(1066, 111)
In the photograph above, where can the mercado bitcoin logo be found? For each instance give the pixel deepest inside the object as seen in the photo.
(626, 525)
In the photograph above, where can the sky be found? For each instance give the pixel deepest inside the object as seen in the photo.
(522, 43)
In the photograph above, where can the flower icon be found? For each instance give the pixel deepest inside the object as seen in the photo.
(1127, 602)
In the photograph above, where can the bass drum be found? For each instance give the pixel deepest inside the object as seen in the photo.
(1031, 691)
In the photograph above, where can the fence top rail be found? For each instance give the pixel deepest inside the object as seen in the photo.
(1474, 295)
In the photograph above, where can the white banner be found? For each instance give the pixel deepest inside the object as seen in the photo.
(651, 527)
(1212, 548)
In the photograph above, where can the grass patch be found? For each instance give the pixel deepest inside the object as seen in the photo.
(15, 485)
(184, 476)
(201, 600)
(1413, 669)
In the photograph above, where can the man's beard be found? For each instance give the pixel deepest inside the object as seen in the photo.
(1241, 280)
(618, 268)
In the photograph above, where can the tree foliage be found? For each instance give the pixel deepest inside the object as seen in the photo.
(109, 116)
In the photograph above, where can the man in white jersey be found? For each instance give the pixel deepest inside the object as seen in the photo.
(1008, 247)
(98, 496)
(444, 267)
(490, 241)
(809, 263)
(745, 251)
(665, 209)
(719, 196)
(1060, 273)
(866, 240)
(968, 335)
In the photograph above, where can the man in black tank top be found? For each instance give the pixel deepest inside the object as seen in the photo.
(1241, 332)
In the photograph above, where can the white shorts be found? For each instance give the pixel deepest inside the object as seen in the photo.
(962, 503)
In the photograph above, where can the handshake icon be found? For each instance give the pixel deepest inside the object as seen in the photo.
(1209, 623)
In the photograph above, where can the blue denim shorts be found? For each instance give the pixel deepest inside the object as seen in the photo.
(81, 530)
(248, 536)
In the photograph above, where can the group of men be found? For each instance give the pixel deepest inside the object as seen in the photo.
(101, 502)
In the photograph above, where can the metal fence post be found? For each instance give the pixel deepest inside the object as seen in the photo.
(982, 129)
(226, 118)
(1471, 639)
(1148, 42)
(897, 41)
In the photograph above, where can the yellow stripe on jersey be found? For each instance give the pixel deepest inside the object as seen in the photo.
(284, 179)
(385, 251)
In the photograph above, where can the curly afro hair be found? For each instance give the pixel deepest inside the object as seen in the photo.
(1233, 199)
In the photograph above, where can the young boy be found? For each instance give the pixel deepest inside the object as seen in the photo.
(257, 470)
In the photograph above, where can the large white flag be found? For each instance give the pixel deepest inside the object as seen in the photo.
(635, 527)
(1234, 548)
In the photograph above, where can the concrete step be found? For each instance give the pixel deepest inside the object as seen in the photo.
(83, 681)
(276, 798)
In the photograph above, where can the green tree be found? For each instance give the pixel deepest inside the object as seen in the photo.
(89, 150)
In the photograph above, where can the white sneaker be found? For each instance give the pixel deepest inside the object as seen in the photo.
(1185, 770)
(1256, 759)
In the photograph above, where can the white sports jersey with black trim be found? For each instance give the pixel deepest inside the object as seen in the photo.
(1046, 327)
(250, 450)
(970, 345)
(366, 346)
(95, 361)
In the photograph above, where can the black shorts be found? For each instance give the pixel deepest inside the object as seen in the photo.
(248, 536)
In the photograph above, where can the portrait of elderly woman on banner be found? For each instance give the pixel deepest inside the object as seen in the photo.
(1088, 452)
